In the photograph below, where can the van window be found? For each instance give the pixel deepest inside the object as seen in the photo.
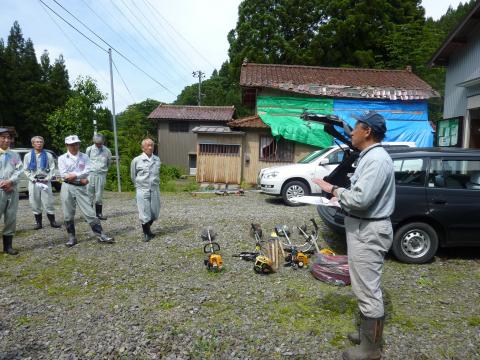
(455, 174)
(410, 172)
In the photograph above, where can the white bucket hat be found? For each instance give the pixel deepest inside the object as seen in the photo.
(72, 139)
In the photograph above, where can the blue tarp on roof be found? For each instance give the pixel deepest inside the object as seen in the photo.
(406, 120)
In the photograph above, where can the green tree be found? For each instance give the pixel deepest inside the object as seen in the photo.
(218, 90)
(28, 90)
(76, 116)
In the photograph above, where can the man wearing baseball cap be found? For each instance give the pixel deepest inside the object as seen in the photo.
(100, 160)
(368, 202)
(74, 167)
(10, 169)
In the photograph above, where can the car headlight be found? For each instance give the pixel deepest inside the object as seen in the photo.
(270, 175)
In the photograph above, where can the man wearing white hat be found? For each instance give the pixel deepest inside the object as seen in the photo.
(39, 167)
(10, 169)
(74, 168)
(100, 160)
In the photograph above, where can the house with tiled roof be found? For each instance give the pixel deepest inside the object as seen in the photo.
(177, 143)
(460, 54)
(276, 135)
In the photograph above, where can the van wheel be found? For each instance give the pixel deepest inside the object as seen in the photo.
(293, 189)
(415, 243)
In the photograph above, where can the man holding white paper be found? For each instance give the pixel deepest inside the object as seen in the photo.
(39, 167)
(369, 202)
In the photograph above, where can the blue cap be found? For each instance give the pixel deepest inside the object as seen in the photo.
(373, 120)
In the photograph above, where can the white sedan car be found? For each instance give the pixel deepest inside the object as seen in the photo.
(294, 180)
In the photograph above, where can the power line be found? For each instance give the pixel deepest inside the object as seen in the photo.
(110, 46)
(179, 34)
(81, 33)
(141, 35)
(179, 55)
(135, 51)
(123, 81)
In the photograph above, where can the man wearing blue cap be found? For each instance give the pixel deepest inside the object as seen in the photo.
(10, 169)
(368, 202)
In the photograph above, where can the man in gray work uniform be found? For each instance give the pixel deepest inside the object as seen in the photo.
(100, 160)
(369, 203)
(74, 168)
(10, 169)
(39, 167)
(145, 174)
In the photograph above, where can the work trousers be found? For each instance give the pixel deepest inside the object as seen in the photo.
(8, 209)
(95, 187)
(72, 195)
(368, 242)
(40, 199)
(148, 203)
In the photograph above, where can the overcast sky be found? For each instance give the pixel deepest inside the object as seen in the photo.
(166, 39)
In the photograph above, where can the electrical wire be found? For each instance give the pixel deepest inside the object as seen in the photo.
(143, 37)
(99, 73)
(179, 34)
(110, 46)
(123, 81)
(179, 56)
(81, 33)
(135, 51)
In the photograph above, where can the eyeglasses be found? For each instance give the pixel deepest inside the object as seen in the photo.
(5, 137)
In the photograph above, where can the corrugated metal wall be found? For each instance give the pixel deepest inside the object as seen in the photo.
(462, 66)
(174, 147)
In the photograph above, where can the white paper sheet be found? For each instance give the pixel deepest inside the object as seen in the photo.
(316, 200)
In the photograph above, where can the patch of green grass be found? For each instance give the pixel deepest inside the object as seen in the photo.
(23, 320)
(169, 186)
(204, 348)
(166, 305)
(333, 314)
(474, 321)
(426, 282)
(338, 304)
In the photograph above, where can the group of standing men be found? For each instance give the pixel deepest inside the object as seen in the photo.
(83, 178)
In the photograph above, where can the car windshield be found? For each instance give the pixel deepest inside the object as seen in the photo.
(313, 155)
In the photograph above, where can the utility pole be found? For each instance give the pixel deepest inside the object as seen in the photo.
(200, 75)
(94, 122)
(114, 123)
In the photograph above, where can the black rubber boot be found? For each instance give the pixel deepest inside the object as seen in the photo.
(7, 245)
(371, 330)
(72, 240)
(101, 236)
(38, 222)
(354, 337)
(98, 210)
(53, 223)
(147, 233)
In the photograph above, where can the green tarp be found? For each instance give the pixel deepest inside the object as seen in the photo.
(282, 114)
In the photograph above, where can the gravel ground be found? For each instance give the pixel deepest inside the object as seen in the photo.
(136, 300)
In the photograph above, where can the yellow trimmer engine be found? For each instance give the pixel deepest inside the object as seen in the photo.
(214, 261)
